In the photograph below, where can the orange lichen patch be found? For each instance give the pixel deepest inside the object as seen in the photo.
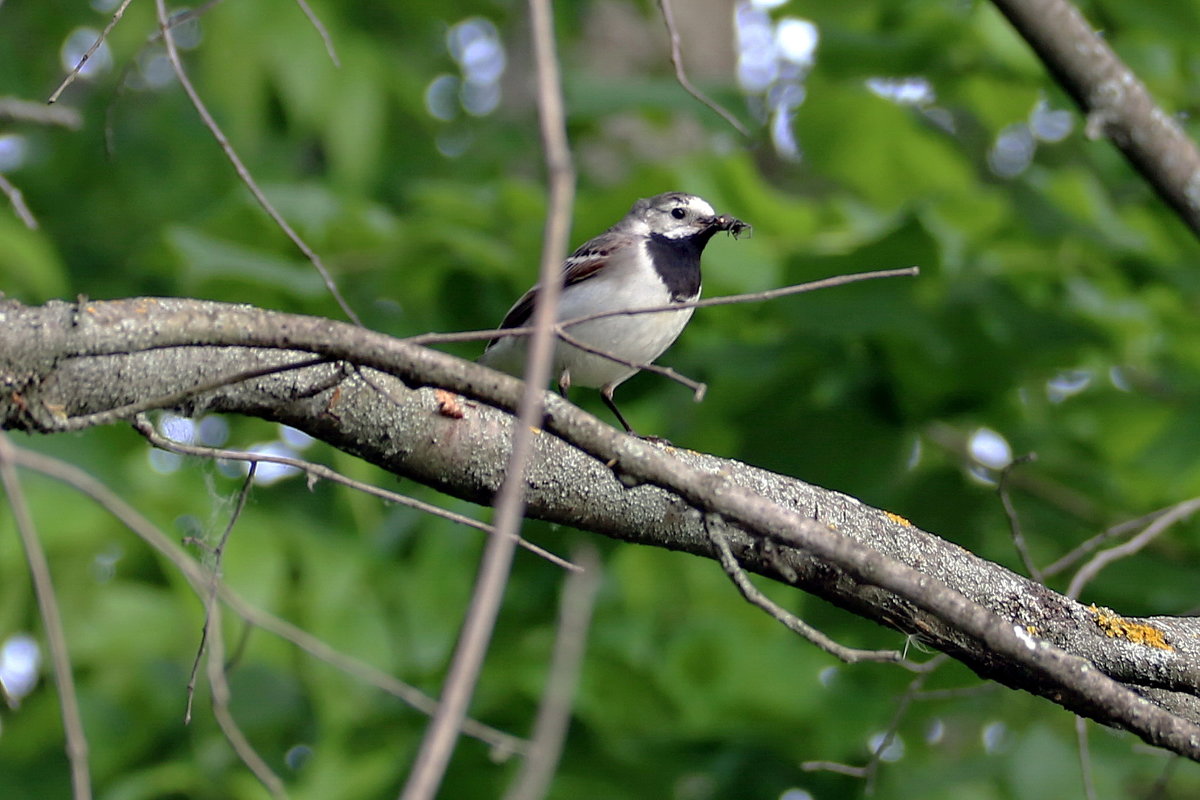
(448, 405)
(1031, 630)
(1136, 632)
(899, 520)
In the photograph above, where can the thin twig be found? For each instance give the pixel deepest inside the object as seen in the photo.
(698, 388)
(869, 770)
(681, 75)
(319, 26)
(834, 766)
(143, 426)
(74, 73)
(1014, 522)
(186, 15)
(1158, 789)
(13, 109)
(503, 743)
(724, 300)
(211, 598)
(175, 398)
(110, 108)
(219, 687)
(957, 694)
(18, 203)
(1085, 758)
(1105, 557)
(465, 666)
(1077, 553)
(554, 713)
(789, 620)
(906, 699)
(56, 639)
(240, 168)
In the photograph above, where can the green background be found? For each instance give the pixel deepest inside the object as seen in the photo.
(1070, 268)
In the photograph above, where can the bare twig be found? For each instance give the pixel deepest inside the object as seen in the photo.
(885, 741)
(1105, 557)
(1077, 553)
(186, 15)
(550, 729)
(698, 388)
(503, 744)
(1014, 521)
(74, 73)
(439, 740)
(1085, 758)
(196, 576)
(18, 203)
(240, 168)
(1116, 103)
(1069, 500)
(869, 770)
(957, 694)
(724, 300)
(175, 398)
(681, 74)
(314, 470)
(1158, 789)
(220, 704)
(319, 26)
(834, 766)
(793, 623)
(43, 587)
(214, 581)
(13, 109)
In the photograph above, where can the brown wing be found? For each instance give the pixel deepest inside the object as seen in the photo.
(579, 266)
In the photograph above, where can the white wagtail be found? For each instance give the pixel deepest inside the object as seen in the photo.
(650, 258)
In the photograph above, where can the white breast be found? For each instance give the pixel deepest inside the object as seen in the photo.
(639, 338)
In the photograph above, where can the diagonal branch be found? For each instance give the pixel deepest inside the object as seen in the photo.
(1116, 102)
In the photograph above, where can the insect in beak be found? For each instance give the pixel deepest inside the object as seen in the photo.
(733, 226)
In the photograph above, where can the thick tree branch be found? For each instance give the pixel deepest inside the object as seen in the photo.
(1116, 103)
(64, 360)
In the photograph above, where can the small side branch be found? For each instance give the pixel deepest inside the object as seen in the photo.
(793, 623)
(681, 74)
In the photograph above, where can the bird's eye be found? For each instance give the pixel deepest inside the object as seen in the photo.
(678, 213)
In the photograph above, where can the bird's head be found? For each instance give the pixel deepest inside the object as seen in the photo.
(677, 215)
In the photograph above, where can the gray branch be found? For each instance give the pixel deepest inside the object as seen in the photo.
(373, 397)
(1116, 103)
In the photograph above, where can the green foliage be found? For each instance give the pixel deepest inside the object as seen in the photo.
(1071, 266)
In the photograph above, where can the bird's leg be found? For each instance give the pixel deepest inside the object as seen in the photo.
(606, 392)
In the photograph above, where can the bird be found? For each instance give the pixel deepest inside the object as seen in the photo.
(650, 258)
